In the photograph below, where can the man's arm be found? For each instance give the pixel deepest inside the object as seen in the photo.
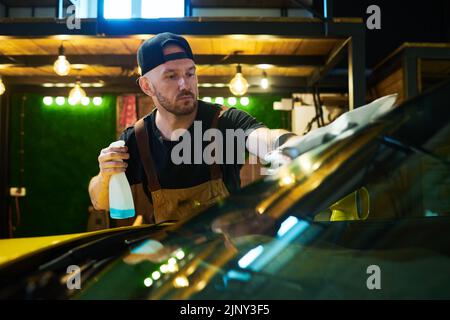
(110, 162)
(99, 192)
(264, 140)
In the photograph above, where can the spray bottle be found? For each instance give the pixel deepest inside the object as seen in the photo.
(121, 205)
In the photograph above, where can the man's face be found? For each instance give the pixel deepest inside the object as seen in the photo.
(174, 84)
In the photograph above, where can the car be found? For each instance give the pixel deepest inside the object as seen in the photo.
(363, 215)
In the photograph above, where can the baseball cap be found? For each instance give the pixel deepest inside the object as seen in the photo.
(150, 53)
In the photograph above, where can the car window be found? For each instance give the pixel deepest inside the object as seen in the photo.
(400, 183)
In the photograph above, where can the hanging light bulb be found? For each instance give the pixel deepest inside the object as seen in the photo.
(2, 87)
(239, 85)
(264, 81)
(77, 94)
(61, 65)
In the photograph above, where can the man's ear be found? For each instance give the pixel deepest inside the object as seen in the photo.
(146, 86)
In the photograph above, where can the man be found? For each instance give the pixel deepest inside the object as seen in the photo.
(163, 188)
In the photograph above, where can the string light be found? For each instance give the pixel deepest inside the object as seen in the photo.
(61, 65)
(85, 101)
(239, 85)
(60, 101)
(97, 101)
(48, 101)
(232, 101)
(244, 101)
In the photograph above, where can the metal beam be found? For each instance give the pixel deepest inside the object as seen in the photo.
(328, 9)
(276, 60)
(39, 80)
(133, 88)
(356, 71)
(280, 81)
(225, 92)
(336, 55)
(412, 58)
(4, 163)
(279, 27)
(432, 52)
(60, 8)
(410, 76)
(187, 8)
(130, 60)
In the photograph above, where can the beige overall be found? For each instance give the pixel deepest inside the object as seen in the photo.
(173, 204)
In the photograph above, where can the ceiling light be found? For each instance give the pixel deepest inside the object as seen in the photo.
(265, 66)
(180, 282)
(79, 66)
(6, 65)
(77, 93)
(207, 99)
(239, 85)
(264, 81)
(2, 87)
(61, 65)
(98, 84)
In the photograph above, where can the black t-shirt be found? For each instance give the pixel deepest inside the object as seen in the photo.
(176, 176)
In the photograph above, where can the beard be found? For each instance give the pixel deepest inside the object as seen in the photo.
(180, 107)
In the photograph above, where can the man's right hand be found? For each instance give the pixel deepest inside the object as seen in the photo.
(111, 161)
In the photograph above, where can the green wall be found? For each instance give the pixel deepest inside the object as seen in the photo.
(61, 145)
(261, 107)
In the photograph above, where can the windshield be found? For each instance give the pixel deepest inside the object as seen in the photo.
(391, 215)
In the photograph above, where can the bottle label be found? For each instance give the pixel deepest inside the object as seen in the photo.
(121, 213)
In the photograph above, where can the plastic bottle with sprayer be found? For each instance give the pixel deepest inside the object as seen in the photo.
(121, 205)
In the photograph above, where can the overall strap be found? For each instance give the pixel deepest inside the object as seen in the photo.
(214, 168)
(141, 133)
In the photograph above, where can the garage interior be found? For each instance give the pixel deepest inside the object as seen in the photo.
(319, 58)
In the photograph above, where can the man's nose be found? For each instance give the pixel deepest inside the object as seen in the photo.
(183, 83)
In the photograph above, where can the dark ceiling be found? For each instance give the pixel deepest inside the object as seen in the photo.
(32, 3)
(401, 20)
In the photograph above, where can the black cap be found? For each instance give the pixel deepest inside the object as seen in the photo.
(150, 53)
